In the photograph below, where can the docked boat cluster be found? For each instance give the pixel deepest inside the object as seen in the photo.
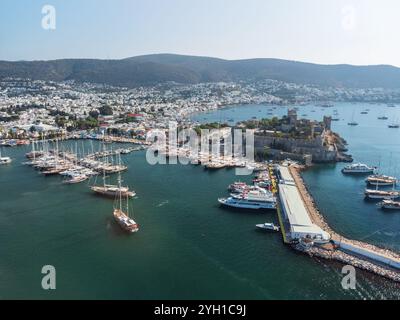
(377, 185)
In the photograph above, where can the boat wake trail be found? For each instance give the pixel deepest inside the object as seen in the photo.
(162, 203)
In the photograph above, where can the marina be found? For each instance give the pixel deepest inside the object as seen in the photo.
(49, 160)
(83, 231)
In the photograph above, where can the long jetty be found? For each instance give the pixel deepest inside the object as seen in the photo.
(383, 262)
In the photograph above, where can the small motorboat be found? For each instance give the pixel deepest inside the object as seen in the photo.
(268, 226)
(76, 179)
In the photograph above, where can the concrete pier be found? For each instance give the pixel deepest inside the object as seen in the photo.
(362, 255)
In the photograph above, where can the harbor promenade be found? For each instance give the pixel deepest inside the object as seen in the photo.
(359, 254)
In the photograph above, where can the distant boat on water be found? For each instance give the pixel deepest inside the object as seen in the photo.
(394, 125)
(4, 160)
(352, 122)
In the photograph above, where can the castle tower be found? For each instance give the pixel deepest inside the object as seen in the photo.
(292, 115)
(312, 129)
(327, 122)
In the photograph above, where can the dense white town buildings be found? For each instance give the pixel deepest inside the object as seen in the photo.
(46, 105)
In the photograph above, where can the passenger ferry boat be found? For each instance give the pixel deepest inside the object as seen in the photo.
(255, 200)
(390, 205)
(380, 194)
(381, 180)
(358, 168)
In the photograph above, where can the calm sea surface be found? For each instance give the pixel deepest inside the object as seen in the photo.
(188, 247)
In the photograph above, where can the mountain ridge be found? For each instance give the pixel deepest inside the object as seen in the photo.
(153, 69)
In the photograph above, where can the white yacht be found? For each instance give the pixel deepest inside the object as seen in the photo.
(254, 199)
(4, 160)
(268, 226)
(78, 178)
(358, 168)
(240, 187)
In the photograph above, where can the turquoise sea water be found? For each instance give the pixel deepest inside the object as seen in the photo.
(188, 247)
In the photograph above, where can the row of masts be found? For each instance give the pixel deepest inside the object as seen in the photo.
(209, 160)
(52, 160)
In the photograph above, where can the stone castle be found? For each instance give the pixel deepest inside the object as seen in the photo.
(321, 146)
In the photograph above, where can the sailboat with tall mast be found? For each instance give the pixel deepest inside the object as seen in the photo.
(122, 217)
(383, 117)
(394, 125)
(109, 190)
(382, 194)
(352, 122)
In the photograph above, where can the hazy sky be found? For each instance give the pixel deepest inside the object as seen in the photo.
(321, 31)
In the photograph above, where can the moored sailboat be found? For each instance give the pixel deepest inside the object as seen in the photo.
(109, 190)
(381, 194)
(122, 217)
(381, 180)
(390, 205)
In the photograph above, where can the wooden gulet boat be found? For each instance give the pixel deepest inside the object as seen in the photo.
(390, 205)
(108, 190)
(122, 217)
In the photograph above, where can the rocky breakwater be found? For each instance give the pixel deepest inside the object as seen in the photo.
(359, 254)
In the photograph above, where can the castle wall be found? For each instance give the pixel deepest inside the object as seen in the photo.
(301, 147)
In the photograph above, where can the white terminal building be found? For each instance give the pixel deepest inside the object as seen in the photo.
(295, 211)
